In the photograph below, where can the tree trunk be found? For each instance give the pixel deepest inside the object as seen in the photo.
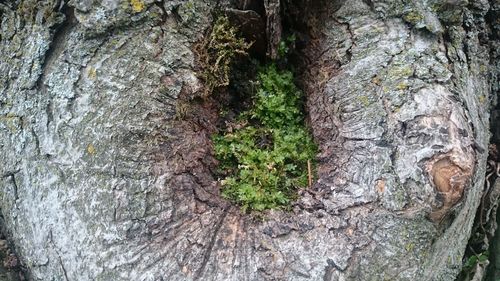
(105, 178)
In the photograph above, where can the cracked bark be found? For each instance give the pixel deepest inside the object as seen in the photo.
(110, 183)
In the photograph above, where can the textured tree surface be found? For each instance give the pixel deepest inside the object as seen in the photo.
(106, 169)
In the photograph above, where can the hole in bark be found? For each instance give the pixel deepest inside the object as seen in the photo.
(228, 110)
(200, 116)
(265, 151)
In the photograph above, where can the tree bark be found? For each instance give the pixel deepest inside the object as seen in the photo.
(104, 178)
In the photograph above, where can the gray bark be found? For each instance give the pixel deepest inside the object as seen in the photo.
(101, 178)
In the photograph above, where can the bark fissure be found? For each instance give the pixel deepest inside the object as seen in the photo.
(210, 246)
(63, 269)
(12, 177)
(58, 44)
(61, 264)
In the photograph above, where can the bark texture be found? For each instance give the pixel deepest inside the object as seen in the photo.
(107, 155)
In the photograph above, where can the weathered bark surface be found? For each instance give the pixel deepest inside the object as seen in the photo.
(103, 179)
(403, 103)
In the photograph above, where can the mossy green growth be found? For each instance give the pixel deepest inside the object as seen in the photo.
(264, 162)
(219, 52)
(284, 45)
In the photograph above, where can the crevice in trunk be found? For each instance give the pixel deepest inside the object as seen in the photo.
(482, 259)
(200, 117)
(493, 269)
(57, 45)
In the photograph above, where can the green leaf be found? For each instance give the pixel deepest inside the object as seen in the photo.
(483, 257)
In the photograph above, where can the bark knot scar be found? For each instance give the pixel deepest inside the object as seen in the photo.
(450, 174)
(447, 176)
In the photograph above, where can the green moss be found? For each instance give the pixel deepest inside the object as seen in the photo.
(219, 52)
(284, 46)
(266, 159)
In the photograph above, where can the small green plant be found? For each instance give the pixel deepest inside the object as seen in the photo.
(284, 45)
(470, 264)
(219, 52)
(265, 159)
(475, 259)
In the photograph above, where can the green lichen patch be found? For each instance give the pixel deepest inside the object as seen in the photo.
(400, 71)
(413, 17)
(264, 158)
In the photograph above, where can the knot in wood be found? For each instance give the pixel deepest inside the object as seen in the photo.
(450, 179)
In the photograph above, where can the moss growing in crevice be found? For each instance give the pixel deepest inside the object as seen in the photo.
(264, 154)
(263, 148)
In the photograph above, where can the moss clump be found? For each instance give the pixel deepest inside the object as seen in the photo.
(219, 52)
(265, 159)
